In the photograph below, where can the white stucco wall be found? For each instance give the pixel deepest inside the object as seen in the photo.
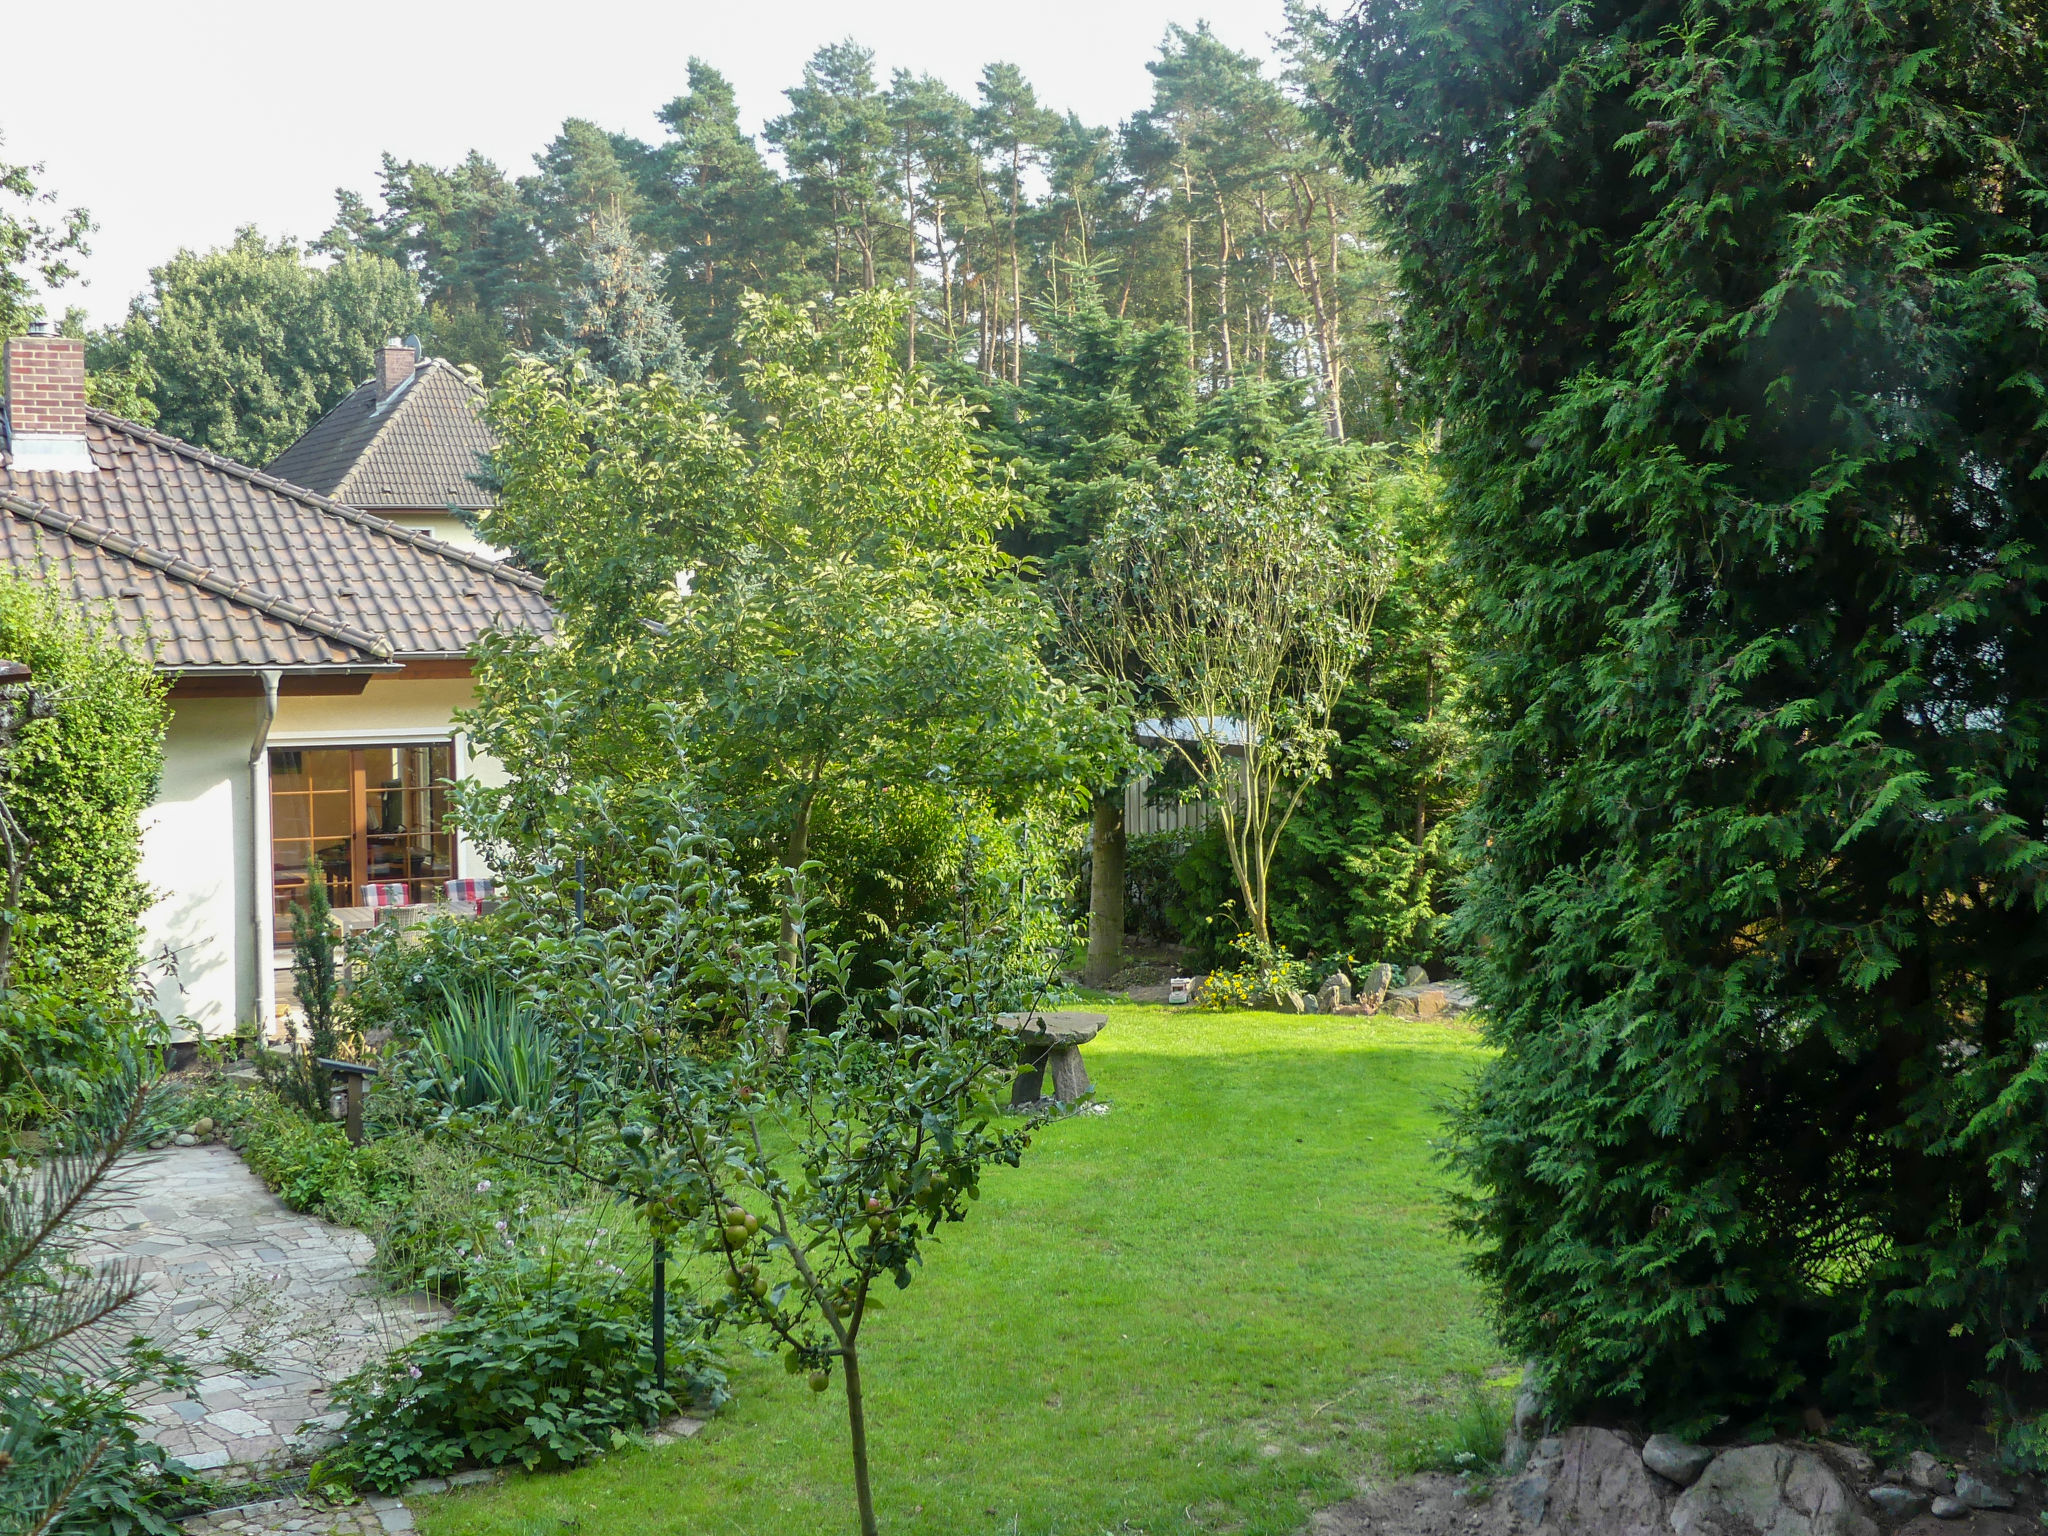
(197, 838)
(195, 857)
(445, 526)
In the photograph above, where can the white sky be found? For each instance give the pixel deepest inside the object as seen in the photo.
(174, 122)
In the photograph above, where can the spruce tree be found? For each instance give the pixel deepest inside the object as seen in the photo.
(1732, 314)
(617, 315)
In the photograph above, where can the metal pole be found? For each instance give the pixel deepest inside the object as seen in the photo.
(660, 1315)
(579, 892)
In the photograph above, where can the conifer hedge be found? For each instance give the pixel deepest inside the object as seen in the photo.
(1734, 316)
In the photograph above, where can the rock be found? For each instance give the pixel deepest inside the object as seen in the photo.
(1529, 1498)
(184, 1139)
(1600, 1487)
(1982, 1492)
(1528, 1408)
(1855, 1458)
(1427, 1002)
(1927, 1474)
(160, 1143)
(1334, 993)
(1373, 985)
(1293, 1002)
(1672, 1458)
(1769, 1490)
(1947, 1506)
(203, 1127)
(1415, 976)
(1896, 1503)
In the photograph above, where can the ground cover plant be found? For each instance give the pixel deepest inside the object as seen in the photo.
(1734, 316)
(1202, 1310)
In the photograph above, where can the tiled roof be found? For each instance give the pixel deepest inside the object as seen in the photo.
(231, 567)
(417, 449)
(192, 619)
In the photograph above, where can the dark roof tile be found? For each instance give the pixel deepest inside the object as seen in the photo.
(210, 532)
(416, 450)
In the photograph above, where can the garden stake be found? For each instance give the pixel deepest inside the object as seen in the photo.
(660, 1316)
(579, 893)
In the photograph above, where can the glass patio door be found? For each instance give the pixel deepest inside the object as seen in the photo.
(369, 815)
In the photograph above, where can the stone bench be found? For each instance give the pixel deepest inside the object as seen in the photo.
(1052, 1039)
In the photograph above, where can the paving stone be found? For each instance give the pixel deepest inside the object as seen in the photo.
(286, 1300)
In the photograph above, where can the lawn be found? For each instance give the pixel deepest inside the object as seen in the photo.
(1206, 1310)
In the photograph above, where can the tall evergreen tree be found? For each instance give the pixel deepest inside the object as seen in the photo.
(617, 316)
(1732, 314)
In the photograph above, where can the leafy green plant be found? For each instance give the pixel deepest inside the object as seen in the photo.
(485, 1050)
(1265, 972)
(546, 1363)
(80, 777)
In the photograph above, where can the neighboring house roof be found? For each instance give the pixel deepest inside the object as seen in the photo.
(226, 567)
(418, 448)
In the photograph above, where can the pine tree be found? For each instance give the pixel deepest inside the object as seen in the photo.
(1731, 312)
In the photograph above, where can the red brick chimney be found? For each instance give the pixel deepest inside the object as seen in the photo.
(46, 402)
(395, 362)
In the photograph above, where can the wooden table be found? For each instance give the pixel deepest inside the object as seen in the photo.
(1053, 1039)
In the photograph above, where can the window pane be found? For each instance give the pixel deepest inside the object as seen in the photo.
(288, 769)
(291, 859)
(333, 816)
(291, 816)
(327, 767)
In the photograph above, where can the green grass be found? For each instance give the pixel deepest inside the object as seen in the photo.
(1207, 1310)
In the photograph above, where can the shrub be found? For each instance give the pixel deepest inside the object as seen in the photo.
(80, 781)
(547, 1362)
(1737, 354)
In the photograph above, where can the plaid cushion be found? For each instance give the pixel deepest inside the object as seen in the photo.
(469, 890)
(390, 893)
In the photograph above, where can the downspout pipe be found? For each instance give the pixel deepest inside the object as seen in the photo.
(260, 916)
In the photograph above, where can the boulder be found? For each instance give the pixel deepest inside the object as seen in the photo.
(1426, 1002)
(1769, 1490)
(1415, 976)
(1372, 987)
(1285, 1002)
(1529, 1497)
(1927, 1474)
(1598, 1486)
(1672, 1458)
(1897, 1503)
(1855, 1459)
(184, 1139)
(1334, 993)
(1948, 1507)
(1982, 1492)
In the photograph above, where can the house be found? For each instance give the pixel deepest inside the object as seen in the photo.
(403, 446)
(317, 654)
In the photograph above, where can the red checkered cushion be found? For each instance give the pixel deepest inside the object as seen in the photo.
(469, 890)
(389, 893)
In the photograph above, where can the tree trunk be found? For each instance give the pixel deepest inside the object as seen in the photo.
(1187, 255)
(857, 1429)
(1106, 890)
(795, 852)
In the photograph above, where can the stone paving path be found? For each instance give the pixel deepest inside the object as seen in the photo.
(271, 1306)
